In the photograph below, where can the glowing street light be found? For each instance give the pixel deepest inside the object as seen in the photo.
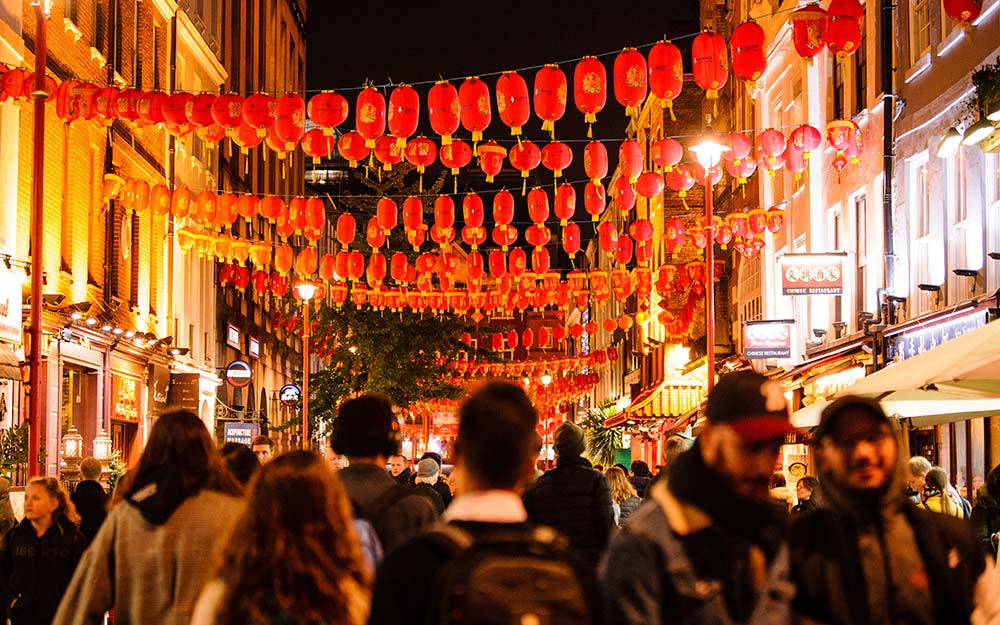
(306, 291)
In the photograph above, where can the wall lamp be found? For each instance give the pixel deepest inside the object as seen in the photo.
(994, 255)
(932, 288)
(969, 273)
(949, 143)
(179, 351)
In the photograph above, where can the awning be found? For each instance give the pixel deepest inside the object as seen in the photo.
(921, 407)
(10, 366)
(668, 399)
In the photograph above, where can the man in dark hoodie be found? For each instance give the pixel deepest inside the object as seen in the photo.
(871, 556)
(698, 550)
(90, 498)
(574, 498)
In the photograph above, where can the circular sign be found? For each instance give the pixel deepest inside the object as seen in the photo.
(238, 373)
(797, 469)
(290, 394)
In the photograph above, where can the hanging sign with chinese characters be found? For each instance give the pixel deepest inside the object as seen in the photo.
(813, 274)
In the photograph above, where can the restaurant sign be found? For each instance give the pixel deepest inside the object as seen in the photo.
(813, 274)
(920, 340)
(768, 339)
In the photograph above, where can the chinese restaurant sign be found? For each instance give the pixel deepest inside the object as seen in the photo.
(812, 274)
(768, 339)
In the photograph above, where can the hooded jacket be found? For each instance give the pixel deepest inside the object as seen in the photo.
(986, 519)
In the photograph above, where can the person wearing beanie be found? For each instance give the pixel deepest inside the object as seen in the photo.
(425, 478)
(871, 555)
(573, 497)
(367, 432)
(439, 484)
(698, 549)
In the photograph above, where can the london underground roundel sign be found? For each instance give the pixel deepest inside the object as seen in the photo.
(238, 373)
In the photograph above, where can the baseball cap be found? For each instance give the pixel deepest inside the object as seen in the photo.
(750, 404)
(849, 404)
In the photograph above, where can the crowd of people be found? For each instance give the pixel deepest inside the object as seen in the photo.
(360, 534)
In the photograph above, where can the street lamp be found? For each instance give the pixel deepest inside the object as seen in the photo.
(305, 291)
(709, 151)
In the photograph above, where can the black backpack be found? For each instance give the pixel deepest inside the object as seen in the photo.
(510, 578)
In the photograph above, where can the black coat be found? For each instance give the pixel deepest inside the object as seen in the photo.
(576, 500)
(37, 569)
(986, 519)
(91, 501)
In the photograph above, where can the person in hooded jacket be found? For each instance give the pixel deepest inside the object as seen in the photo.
(39, 555)
(152, 555)
(986, 512)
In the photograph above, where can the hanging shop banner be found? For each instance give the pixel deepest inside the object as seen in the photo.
(159, 389)
(920, 340)
(238, 373)
(242, 433)
(10, 305)
(768, 339)
(184, 390)
(290, 395)
(812, 274)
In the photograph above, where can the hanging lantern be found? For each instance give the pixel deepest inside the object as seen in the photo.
(352, 148)
(556, 156)
(205, 207)
(180, 202)
(537, 235)
(565, 203)
(374, 235)
(595, 161)
(594, 199)
(246, 136)
(805, 138)
(421, 153)
(624, 195)
(512, 101)
(741, 172)
(795, 161)
(739, 148)
(680, 180)
(590, 89)
(474, 106)
(641, 230)
(649, 184)
(413, 216)
(775, 219)
(327, 110)
(749, 60)
(403, 114)
(455, 155)
(174, 109)
(607, 236)
(369, 116)
(283, 259)
(809, 25)
(258, 112)
(772, 143)
(710, 63)
(538, 205)
(698, 172)
(443, 110)
(387, 152)
(290, 120)
(227, 111)
(491, 157)
(630, 80)
(199, 110)
(840, 135)
(375, 274)
(540, 260)
(345, 229)
(845, 25)
(318, 145)
(150, 105)
(525, 156)
(757, 220)
(630, 159)
(666, 74)
(623, 253)
(503, 208)
(571, 239)
(386, 212)
(444, 212)
(307, 262)
(550, 96)
(963, 11)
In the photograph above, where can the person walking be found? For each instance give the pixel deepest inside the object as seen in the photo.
(367, 432)
(872, 556)
(697, 551)
(152, 556)
(986, 513)
(39, 555)
(426, 478)
(936, 496)
(90, 499)
(807, 493)
(240, 461)
(292, 555)
(573, 498)
(626, 500)
(521, 571)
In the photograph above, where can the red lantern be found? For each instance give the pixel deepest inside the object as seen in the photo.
(805, 138)
(318, 145)
(630, 160)
(258, 112)
(175, 108)
(443, 110)
(749, 60)
(710, 63)
(413, 213)
(775, 219)
(537, 235)
(525, 156)
(571, 239)
(369, 115)
(595, 161)
(607, 236)
(403, 113)
(503, 207)
(666, 74)
(624, 195)
(352, 148)
(680, 180)
(963, 11)
(673, 235)
(630, 80)
(739, 147)
(594, 199)
(491, 157)
(290, 120)
(757, 220)
(473, 212)
(590, 89)
(538, 205)
(345, 229)
(283, 259)
(387, 152)
(844, 26)
(666, 153)
(227, 111)
(199, 110)
(809, 30)
(550, 96)
(623, 254)
(205, 207)
(540, 260)
(444, 212)
(517, 262)
(772, 143)
(474, 106)
(386, 212)
(557, 156)
(565, 203)
(421, 152)
(742, 171)
(649, 184)
(327, 110)
(795, 161)
(455, 155)
(180, 202)
(512, 101)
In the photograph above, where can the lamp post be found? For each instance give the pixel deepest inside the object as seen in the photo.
(39, 95)
(708, 151)
(305, 291)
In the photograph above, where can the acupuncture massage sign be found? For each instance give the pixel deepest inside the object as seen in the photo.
(812, 274)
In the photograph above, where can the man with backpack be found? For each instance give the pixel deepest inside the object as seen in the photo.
(488, 563)
(367, 432)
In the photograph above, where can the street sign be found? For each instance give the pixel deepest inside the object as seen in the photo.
(290, 395)
(238, 373)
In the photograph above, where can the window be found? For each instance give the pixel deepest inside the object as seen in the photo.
(920, 29)
(861, 247)
(861, 75)
(920, 197)
(70, 10)
(955, 186)
(838, 90)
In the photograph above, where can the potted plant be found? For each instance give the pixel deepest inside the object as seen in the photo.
(986, 80)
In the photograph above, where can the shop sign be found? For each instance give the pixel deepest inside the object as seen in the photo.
(159, 389)
(184, 390)
(253, 347)
(812, 274)
(10, 305)
(232, 336)
(768, 339)
(909, 344)
(6, 403)
(238, 373)
(242, 433)
(290, 395)
(828, 385)
(125, 399)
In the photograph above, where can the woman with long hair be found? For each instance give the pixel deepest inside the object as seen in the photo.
(292, 556)
(152, 555)
(986, 513)
(39, 555)
(623, 495)
(808, 494)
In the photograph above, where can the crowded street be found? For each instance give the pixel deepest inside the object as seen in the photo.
(558, 313)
